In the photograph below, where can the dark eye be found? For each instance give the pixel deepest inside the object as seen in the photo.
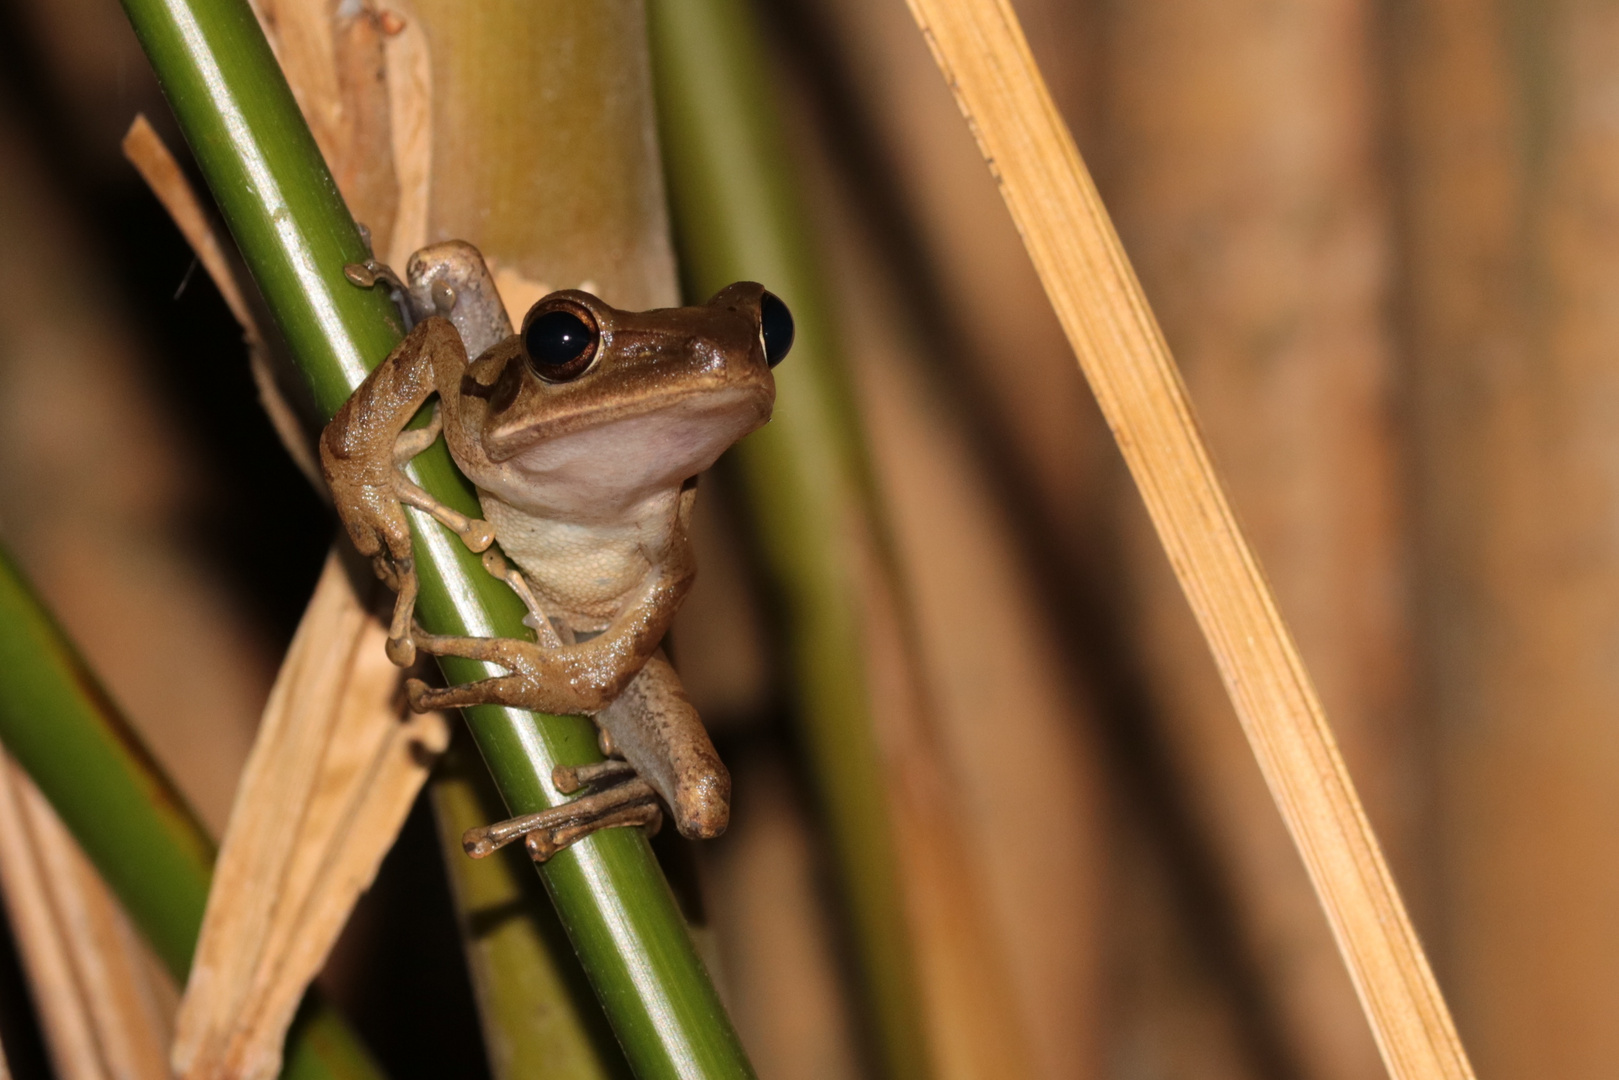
(559, 344)
(776, 325)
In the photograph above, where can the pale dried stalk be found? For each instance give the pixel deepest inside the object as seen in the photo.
(332, 775)
(981, 50)
(105, 1017)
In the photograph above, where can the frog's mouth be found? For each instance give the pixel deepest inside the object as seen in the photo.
(592, 464)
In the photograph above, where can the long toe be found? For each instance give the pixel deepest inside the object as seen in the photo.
(543, 844)
(549, 831)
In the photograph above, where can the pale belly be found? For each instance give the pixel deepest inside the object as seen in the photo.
(584, 574)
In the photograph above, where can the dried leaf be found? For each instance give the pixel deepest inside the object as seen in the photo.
(104, 1005)
(336, 766)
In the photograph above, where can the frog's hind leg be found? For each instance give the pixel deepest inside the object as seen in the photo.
(651, 723)
(668, 758)
(654, 726)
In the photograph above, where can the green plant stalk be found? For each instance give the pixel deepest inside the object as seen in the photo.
(737, 215)
(148, 846)
(296, 235)
(535, 1023)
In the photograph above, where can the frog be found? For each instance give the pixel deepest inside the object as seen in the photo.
(583, 433)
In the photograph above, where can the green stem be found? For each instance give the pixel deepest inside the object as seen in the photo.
(295, 234)
(737, 215)
(535, 1022)
(59, 723)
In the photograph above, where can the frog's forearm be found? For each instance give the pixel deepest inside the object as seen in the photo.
(359, 456)
(357, 447)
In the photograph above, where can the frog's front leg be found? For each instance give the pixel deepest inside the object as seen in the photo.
(364, 445)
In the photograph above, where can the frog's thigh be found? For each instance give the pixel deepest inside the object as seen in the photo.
(656, 729)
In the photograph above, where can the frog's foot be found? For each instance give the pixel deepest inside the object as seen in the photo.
(400, 648)
(625, 800)
(394, 561)
(368, 273)
(413, 441)
(515, 691)
(475, 533)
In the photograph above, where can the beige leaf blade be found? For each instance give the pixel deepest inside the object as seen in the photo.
(104, 1006)
(333, 773)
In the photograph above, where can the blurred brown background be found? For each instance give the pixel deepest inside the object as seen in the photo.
(1383, 240)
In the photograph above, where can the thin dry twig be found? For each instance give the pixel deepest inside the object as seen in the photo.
(146, 151)
(981, 50)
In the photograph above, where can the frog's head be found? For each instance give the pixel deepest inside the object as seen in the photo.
(590, 408)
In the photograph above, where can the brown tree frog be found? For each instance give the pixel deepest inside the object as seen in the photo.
(583, 434)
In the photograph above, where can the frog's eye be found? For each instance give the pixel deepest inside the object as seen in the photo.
(560, 343)
(776, 327)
